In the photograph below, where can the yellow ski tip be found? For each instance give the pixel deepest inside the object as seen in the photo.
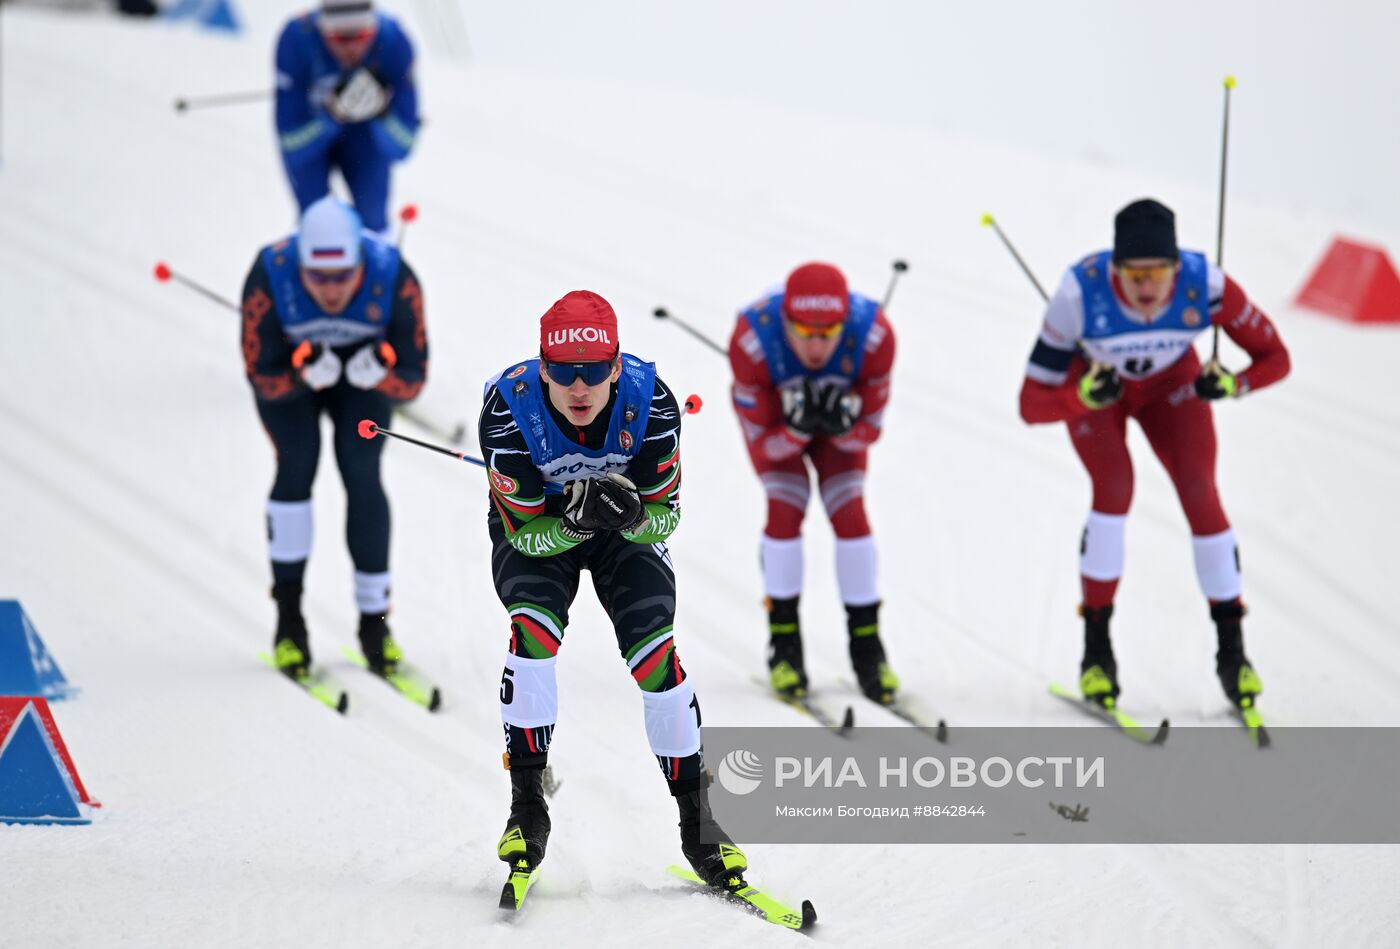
(1229, 82)
(988, 220)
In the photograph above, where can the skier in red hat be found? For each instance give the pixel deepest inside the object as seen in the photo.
(582, 447)
(811, 369)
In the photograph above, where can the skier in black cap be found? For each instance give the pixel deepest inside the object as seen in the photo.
(1117, 344)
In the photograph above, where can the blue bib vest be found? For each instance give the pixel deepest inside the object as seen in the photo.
(559, 458)
(367, 316)
(766, 318)
(1137, 349)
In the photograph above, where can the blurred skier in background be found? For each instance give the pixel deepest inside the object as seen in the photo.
(1117, 344)
(811, 367)
(345, 99)
(332, 324)
(582, 446)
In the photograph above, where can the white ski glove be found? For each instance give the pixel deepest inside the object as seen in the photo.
(317, 365)
(358, 99)
(368, 367)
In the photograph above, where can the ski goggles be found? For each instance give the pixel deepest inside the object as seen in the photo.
(322, 278)
(592, 373)
(350, 37)
(803, 331)
(1154, 272)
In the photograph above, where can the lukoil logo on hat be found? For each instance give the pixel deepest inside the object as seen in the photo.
(740, 772)
(580, 327)
(816, 294)
(329, 235)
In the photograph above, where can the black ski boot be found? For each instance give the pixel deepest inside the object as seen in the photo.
(712, 855)
(380, 651)
(1098, 670)
(874, 675)
(291, 648)
(1237, 677)
(785, 671)
(527, 828)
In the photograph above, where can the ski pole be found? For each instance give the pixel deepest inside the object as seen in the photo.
(165, 274)
(898, 267)
(368, 428)
(989, 221)
(227, 98)
(661, 313)
(1220, 217)
(407, 215)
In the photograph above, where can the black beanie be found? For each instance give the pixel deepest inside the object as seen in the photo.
(1144, 228)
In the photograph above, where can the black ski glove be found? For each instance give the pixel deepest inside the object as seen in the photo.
(801, 408)
(1215, 383)
(604, 504)
(1100, 387)
(837, 410)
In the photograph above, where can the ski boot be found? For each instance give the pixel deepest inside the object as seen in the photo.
(712, 855)
(522, 845)
(1098, 679)
(785, 671)
(291, 648)
(875, 677)
(1241, 683)
(381, 653)
(527, 828)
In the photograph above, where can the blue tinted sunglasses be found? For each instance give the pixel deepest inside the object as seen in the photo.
(592, 373)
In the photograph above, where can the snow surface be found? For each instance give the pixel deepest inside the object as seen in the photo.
(239, 813)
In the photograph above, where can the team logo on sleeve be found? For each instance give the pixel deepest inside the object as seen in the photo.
(1191, 317)
(517, 372)
(625, 438)
(502, 483)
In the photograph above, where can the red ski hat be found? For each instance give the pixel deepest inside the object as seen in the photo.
(580, 327)
(816, 295)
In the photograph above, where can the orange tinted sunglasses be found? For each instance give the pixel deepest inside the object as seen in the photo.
(802, 331)
(1156, 272)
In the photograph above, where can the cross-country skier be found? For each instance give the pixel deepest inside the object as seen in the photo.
(1117, 344)
(583, 450)
(333, 325)
(811, 367)
(346, 100)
